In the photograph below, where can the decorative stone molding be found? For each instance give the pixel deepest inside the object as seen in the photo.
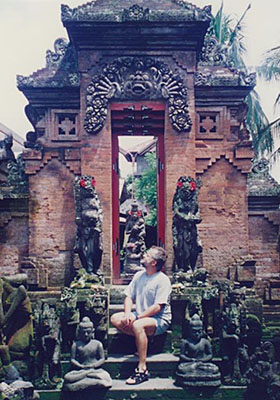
(136, 13)
(61, 69)
(131, 78)
(64, 125)
(53, 59)
(213, 53)
(114, 13)
(224, 78)
(261, 183)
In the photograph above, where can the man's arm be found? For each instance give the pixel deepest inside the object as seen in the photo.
(128, 303)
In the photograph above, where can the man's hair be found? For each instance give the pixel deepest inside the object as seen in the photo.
(160, 257)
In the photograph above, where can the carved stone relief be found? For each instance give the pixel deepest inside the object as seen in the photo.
(61, 69)
(136, 13)
(133, 78)
(213, 53)
(93, 11)
(224, 78)
(53, 59)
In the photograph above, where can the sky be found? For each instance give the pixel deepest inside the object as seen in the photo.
(29, 27)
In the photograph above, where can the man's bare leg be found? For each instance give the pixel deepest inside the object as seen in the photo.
(118, 320)
(143, 328)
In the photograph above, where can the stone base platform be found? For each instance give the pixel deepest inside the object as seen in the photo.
(158, 389)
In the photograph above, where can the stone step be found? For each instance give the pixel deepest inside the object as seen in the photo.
(270, 314)
(119, 343)
(159, 365)
(270, 308)
(154, 389)
(121, 366)
(117, 294)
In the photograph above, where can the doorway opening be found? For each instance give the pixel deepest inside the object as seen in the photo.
(137, 184)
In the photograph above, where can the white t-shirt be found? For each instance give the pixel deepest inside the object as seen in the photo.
(147, 290)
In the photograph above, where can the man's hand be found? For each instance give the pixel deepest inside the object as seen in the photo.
(128, 319)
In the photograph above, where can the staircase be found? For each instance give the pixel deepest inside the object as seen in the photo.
(271, 317)
(162, 363)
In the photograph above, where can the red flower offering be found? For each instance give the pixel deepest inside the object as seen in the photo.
(93, 182)
(179, 184)
(82, 183)
(192, 186)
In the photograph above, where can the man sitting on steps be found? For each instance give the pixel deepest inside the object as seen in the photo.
(150, 290)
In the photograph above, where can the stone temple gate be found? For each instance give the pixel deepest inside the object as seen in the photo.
(140, 68)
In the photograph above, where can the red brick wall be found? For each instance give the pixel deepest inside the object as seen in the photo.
(223, 208)
(52, 220)
(264, 245)
(13, 244)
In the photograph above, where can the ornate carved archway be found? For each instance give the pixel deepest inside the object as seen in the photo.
(136, 78)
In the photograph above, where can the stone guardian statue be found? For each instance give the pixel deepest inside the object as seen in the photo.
(186, 241)
(89, 219)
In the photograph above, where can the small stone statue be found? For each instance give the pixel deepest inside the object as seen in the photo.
(230, 348)
(49, 336)
(69, 317)
(96, 307)
(12, 386)
(186, 242)
(88, 242)
(195, 368)
(233, 334)
(87, 356)
(134, 238)
(16, 326)
(263, 378)
(6, 152)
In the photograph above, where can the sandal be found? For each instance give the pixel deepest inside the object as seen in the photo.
(138, 377)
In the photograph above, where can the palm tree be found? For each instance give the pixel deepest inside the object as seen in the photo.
(270, 71)
(230, 33)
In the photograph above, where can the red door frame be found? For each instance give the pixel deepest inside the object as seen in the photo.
(155, 106)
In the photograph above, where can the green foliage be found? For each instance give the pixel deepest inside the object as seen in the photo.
(270, 71)
(258, 124)
(270, 67)
(146, 188)
(230, 33)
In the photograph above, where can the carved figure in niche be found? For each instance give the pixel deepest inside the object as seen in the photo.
(195, 368)
(96, 307)
(263, 378)
(49, 337)
(134, 242)
(16, 327)
(186, 241)
(87, 356)
(70, 317)
(89, 224)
